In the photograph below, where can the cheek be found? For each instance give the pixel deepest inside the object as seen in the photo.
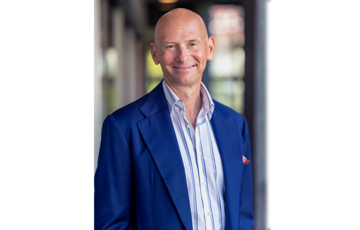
(200, 57)
(167, 58)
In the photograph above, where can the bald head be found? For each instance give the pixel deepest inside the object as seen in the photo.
(182, 48)
(178, 18)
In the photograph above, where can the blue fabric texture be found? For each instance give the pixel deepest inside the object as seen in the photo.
(140, 180)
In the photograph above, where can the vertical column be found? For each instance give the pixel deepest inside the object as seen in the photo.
(130, 64)
(134, 64)
(140, 70)
(119, 43)
(97, 81)
(263, 113)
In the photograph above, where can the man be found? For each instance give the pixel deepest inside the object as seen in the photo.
(175, 159)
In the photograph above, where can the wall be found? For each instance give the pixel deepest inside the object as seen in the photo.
(263, 113)
(96, 83)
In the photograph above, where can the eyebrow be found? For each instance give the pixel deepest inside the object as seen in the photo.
(191, 40)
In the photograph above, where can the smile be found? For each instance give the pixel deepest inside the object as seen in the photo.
(183, 67)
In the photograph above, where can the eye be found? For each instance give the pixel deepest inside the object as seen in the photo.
(193, 44)
(170, 46)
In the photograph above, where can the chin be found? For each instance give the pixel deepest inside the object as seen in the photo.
(190, 81)
(183, 79)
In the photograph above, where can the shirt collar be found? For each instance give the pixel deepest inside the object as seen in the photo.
(172, 99)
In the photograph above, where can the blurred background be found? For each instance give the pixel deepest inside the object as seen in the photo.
(125, 71)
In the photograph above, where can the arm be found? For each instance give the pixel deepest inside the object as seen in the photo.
(113, 179)
(246, 219)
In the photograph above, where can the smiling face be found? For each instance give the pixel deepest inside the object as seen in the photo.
(182, 47)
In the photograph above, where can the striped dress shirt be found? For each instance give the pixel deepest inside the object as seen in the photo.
(201, 160)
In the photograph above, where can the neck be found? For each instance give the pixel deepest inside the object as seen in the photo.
(190, 96)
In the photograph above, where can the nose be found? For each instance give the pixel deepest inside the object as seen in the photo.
(182, 55)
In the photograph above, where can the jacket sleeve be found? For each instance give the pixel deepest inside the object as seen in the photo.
(246, 220)
(113, 179)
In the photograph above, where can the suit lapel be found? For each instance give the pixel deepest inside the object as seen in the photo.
(159, 135)
(228, 143)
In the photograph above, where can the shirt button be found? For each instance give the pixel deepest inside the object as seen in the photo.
(188, 126)
(204, 183)
(209, 213)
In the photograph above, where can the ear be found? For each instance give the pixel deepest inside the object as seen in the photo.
(154, 53)
(211, 48)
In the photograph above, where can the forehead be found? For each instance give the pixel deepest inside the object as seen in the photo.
(181, 29)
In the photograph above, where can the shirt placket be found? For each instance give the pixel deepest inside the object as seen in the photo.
(202, 177)
(207, 214)
(192, 145)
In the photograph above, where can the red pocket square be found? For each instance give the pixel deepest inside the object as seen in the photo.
(245, 161)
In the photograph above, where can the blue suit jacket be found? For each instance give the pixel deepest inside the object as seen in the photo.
(140, 179)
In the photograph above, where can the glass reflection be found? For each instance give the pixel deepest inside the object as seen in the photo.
(226, 70)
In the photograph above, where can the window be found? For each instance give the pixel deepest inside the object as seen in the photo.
(153, 72)
(226, 70)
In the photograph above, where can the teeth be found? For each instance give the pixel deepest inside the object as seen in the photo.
(184, 67)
